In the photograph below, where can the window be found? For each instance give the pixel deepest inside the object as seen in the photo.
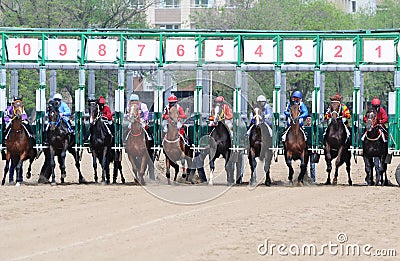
(353, 6)
(170, 26)
(169, 4)
(204, 3)
(137, 3)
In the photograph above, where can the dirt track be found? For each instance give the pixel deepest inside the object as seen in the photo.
(94, 222)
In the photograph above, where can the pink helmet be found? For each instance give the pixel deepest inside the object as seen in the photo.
(219, 99)
(172, 98)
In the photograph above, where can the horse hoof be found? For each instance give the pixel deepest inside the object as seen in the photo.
(28, 175)
(18, 184)
(210, 183)
(123, 181)
(335, 182)
(350, 183)
(328, 182)
(268, 183)
(2, 182)
(53, 183)
(83, 181)
(62, 180)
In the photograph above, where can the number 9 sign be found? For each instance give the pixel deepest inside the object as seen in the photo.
(180, 50)
(62, 49)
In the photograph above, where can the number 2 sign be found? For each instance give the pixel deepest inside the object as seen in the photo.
(22, 49)
(298, 51)
(338, 51)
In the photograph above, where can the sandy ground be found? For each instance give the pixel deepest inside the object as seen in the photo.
(196, 222)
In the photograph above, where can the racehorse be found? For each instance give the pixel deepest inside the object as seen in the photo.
(60, 141)
(19, 146)
(220, 143)
(295, 145)
(374, 145)
(138, 147)
(337, 144)
(175, 148)
(101, 143)
(260, 142)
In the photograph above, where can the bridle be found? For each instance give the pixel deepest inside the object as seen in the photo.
(257, 115)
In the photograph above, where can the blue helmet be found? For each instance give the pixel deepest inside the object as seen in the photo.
(297, 94)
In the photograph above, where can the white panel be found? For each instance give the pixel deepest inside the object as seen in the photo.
(219, 51)
(3, 99)
(101, 50)
(180, 50)
(142, 50)
(259, 51)
(392, 103)
(22, 49)
(379, 51)
(338, 51)
(300, 51)
(62, 49)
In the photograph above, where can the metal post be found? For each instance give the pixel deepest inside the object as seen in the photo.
(40, 108)
(14, 84)
(236, 108)
(3, 101)
(119, 108)
(158, 108)
(79, 109)
(198, 94)
(357, 105)
(129, 84)
(53, 82)
(91, 85)
(316, 110)
(394, 120)
(276, 107)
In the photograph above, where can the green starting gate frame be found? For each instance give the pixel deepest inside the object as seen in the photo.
(277, 51)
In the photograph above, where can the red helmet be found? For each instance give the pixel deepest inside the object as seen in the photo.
(172, 98)
(219, 99)
(375, 101)
(102, 100)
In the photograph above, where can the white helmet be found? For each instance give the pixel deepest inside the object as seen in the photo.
(134, 97)
(57, 96)
(261, 98)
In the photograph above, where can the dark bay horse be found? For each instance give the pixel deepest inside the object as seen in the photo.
(19, 146)
(101, 143)
(374, 145)
(138, 147)
(220, 144)
(260, 142)
(175, 149)
(337, 144)
(60, 141)
(295, 146)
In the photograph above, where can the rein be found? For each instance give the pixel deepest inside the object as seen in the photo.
(56, 122)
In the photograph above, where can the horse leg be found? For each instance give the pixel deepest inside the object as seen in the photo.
(5, 170)
(229, 168)
(291, 171)
(303, 167)
(61, 163)
(53, 165)
(239, 168)
(253, 166)
(143, 166)
(328, 160)
(150, 166)
(82, 180)
(94, 158)
(338, 163)
(212, 168)
(18, 169)
(368, 168)
(103, 166)
(176, 168)
(29, 174)
(348, 162)
(168, 172)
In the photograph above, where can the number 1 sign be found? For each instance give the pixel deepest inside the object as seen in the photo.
(379, 51)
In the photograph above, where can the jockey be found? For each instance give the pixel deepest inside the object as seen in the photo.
(296, 97)
(144, 114)
(224, 114)
(64, 110)
(267, 113)
(344, 113)
(381, 116)
(8, 116)
(173, 101)
(106, 114)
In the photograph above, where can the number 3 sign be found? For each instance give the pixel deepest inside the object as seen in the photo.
(298, 51)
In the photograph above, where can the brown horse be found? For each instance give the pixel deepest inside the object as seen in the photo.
(295, 146)
(337, 144)
(136, 146)
(174, 147)
(19, 146)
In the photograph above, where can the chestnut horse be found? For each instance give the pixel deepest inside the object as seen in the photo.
(295, 145)
(19, 146)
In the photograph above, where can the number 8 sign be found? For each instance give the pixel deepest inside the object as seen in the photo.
(101, 50)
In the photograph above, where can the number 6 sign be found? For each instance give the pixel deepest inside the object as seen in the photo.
(180, 50)
(298, 51)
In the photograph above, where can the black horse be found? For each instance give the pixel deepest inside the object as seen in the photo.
(295, 145)
(60, 141)
(374, 145)
(260, 142)
(337, 144)
(101, 143)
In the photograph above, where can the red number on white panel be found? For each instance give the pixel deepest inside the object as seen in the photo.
(339, 49)
(141, 46)
(63, 49)
(26, 49)
(259, 51)
(220, 51)
(299, 50)
(180, 51)
(102, 50)
(379, 49)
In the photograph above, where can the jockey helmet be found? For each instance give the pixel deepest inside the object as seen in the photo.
(261, 98)
(102, 100)
(16, 98)
(57, 96)
(336, 97)
(375, 101)
(297, 94)
(219, 99)
(134, 97)
(172, 98)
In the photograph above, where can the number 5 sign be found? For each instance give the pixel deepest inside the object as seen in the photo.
(298, 51)
(25, 49)
(219, 51)
(180, 50)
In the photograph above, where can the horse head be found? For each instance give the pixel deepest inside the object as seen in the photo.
(18, 108)
(53, 114)
(257, 116)
(335, 109)
(294, 112)
(371, 119)
(94, 111)
(218, 114)
(134, 113)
